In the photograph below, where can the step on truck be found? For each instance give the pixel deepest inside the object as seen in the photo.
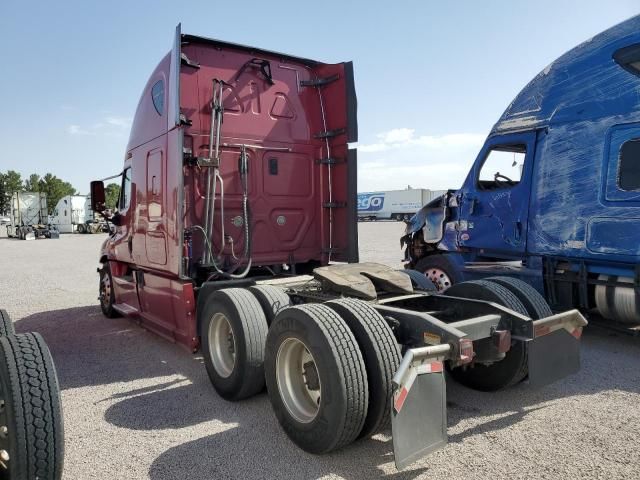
(236, 235)
(553, 198)
(29, 218)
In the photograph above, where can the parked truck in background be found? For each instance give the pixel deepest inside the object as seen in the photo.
(394, 204)
(553, 197)
(28, 217)
(73, 214)
(238, 193)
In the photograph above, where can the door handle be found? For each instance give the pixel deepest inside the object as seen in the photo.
(474, 202)
(130, 245)
(517, 230)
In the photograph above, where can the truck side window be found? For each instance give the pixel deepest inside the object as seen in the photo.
(629, 165)
(157, 95)
(125, 192)
(502, 167)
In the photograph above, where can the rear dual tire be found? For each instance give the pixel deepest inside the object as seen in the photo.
(513, 367)
(316, 378)
(233, 333)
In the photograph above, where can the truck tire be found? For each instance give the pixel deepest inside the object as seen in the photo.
(381, 355)
(6, 325)
(535, 304)
(514, 367)
(324, 406)
(419, 280)
(440, 270)
(81, 228)
(106, 293)
(272, 299)
(233, 335)
(33, 446)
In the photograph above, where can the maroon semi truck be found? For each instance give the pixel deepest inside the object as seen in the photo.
(236, 234)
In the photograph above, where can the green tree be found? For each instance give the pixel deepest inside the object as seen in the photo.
(4, 198)
(33, 183)
(55, 190)
(112, 193)
(13, 182)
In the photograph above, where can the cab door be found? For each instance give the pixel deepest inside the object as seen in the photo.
(495, 197)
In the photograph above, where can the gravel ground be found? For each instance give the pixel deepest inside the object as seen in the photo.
(137, 406)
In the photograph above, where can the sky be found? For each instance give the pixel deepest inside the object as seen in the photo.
(432, 77)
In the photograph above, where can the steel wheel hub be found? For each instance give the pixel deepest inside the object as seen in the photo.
(298, 380)
(439, 278)
(4, 436)
(105, 289)
(222, 345)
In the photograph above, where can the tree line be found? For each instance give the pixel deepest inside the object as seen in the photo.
(54, 187)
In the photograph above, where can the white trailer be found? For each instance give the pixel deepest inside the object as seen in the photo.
(29, 219)
(394, 204)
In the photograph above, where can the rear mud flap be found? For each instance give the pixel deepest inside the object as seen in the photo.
(554, 351)
(419, 410)
(552, 357)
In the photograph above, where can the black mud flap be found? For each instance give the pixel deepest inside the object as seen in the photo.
(554, 347)
(419, 410)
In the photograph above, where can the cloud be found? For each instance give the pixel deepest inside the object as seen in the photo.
(77, 130)
(111, 126)
(121, 122)
(399, 158)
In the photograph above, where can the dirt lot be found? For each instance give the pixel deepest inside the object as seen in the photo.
(137, 406)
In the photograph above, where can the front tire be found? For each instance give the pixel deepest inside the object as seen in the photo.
(33, 446)
(106, 293)
(440, 270)
(316, 378)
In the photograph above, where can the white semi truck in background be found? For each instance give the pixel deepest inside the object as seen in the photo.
(28, 217)
(398, 205)
(73, 214)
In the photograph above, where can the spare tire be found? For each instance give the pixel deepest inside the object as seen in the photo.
(33, 446)
(514, 366)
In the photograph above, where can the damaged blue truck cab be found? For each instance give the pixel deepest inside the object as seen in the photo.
(554, 194)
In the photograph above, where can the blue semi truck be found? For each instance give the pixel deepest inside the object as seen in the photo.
(553, 197)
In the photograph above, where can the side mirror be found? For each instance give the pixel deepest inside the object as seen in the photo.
(97, 196)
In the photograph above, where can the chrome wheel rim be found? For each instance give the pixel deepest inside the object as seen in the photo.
(105, 289)
(222, 344)
(4, 436)
(298, 380)
(439, 278)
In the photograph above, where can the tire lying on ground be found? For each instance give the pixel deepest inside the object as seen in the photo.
(316, 378)
(33, 446)
(508, 371)
(233, 333)
(381, 355)
(535, 304)
(272, 299)
(6, 325)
